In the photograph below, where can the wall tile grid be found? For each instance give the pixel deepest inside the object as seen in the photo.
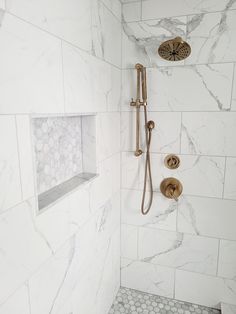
(183, 250)
(59, 59)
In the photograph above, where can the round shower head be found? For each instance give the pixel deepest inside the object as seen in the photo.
(174, 50)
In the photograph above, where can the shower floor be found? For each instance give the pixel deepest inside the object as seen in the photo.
(134, 302)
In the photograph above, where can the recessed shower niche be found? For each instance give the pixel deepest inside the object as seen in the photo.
(65, 155)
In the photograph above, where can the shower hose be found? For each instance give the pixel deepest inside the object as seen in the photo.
(149, 126)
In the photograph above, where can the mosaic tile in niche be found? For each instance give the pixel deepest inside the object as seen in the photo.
(134, 302)
(58, 150)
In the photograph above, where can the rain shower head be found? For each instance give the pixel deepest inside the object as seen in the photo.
(174, 50)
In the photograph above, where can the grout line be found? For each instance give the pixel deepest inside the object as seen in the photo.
(181, 15)
(176, 232)
(182, 154)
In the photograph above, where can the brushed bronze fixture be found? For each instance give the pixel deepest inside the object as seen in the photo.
(172, 161)
(171, 188)
(174, 50)
(141, 100)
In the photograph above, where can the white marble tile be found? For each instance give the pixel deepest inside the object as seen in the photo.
(227, 259)
(129, 241)
(130, 171)
(178, 250)
(131, 11)
(205, 290)
(89, 143)
(106, 34)
(190, 88)
(205, 88)
(17, 303)
(107, 183)
(208, 174)
(153, 9)
(228, 308)
(208, 133)
(196, 212)
(141, 40)
(115, 7)
(162, 214)
(212, 37)
(147, 277)
(163, 139)
(230, 179)
(233, 102)
(2, 4)
(90, 84)
(71, 22)
(23, 247)
(82, 272)
(108, 134)
(25, 155)
(31, 71)
(10, 183)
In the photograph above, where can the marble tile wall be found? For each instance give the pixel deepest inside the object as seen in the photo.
(183, 250)
(59, 58)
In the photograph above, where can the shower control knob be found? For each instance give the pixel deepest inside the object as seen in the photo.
(171, 188)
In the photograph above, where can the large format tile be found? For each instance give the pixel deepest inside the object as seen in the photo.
(24, 248)
(131, 11)
(227, 259)
(129, 241)
(114, 6)
(152, 9)
(71, 22)
(10, 183)
(212, 37)
(208, 174)
(108, 134)
(147, 277)
(189, 88)
(31, 70)
(162, 214)
(204, 290)
(75, 277)
(17, 303)
(178, 250)
(208, 133)
(106, 34)
(207, 217)
(141, 40)
(230, 179)
(164, 139)
(25, 156)
(90, 84)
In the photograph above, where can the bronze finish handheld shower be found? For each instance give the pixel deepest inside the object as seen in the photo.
(149, 126)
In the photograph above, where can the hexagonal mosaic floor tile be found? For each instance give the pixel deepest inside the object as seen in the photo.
(134, 302)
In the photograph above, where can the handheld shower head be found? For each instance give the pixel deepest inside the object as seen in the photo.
(174, 50)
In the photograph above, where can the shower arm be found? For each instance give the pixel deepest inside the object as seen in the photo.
(141, 80)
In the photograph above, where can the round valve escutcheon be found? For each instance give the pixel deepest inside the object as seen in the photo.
(172, 161)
